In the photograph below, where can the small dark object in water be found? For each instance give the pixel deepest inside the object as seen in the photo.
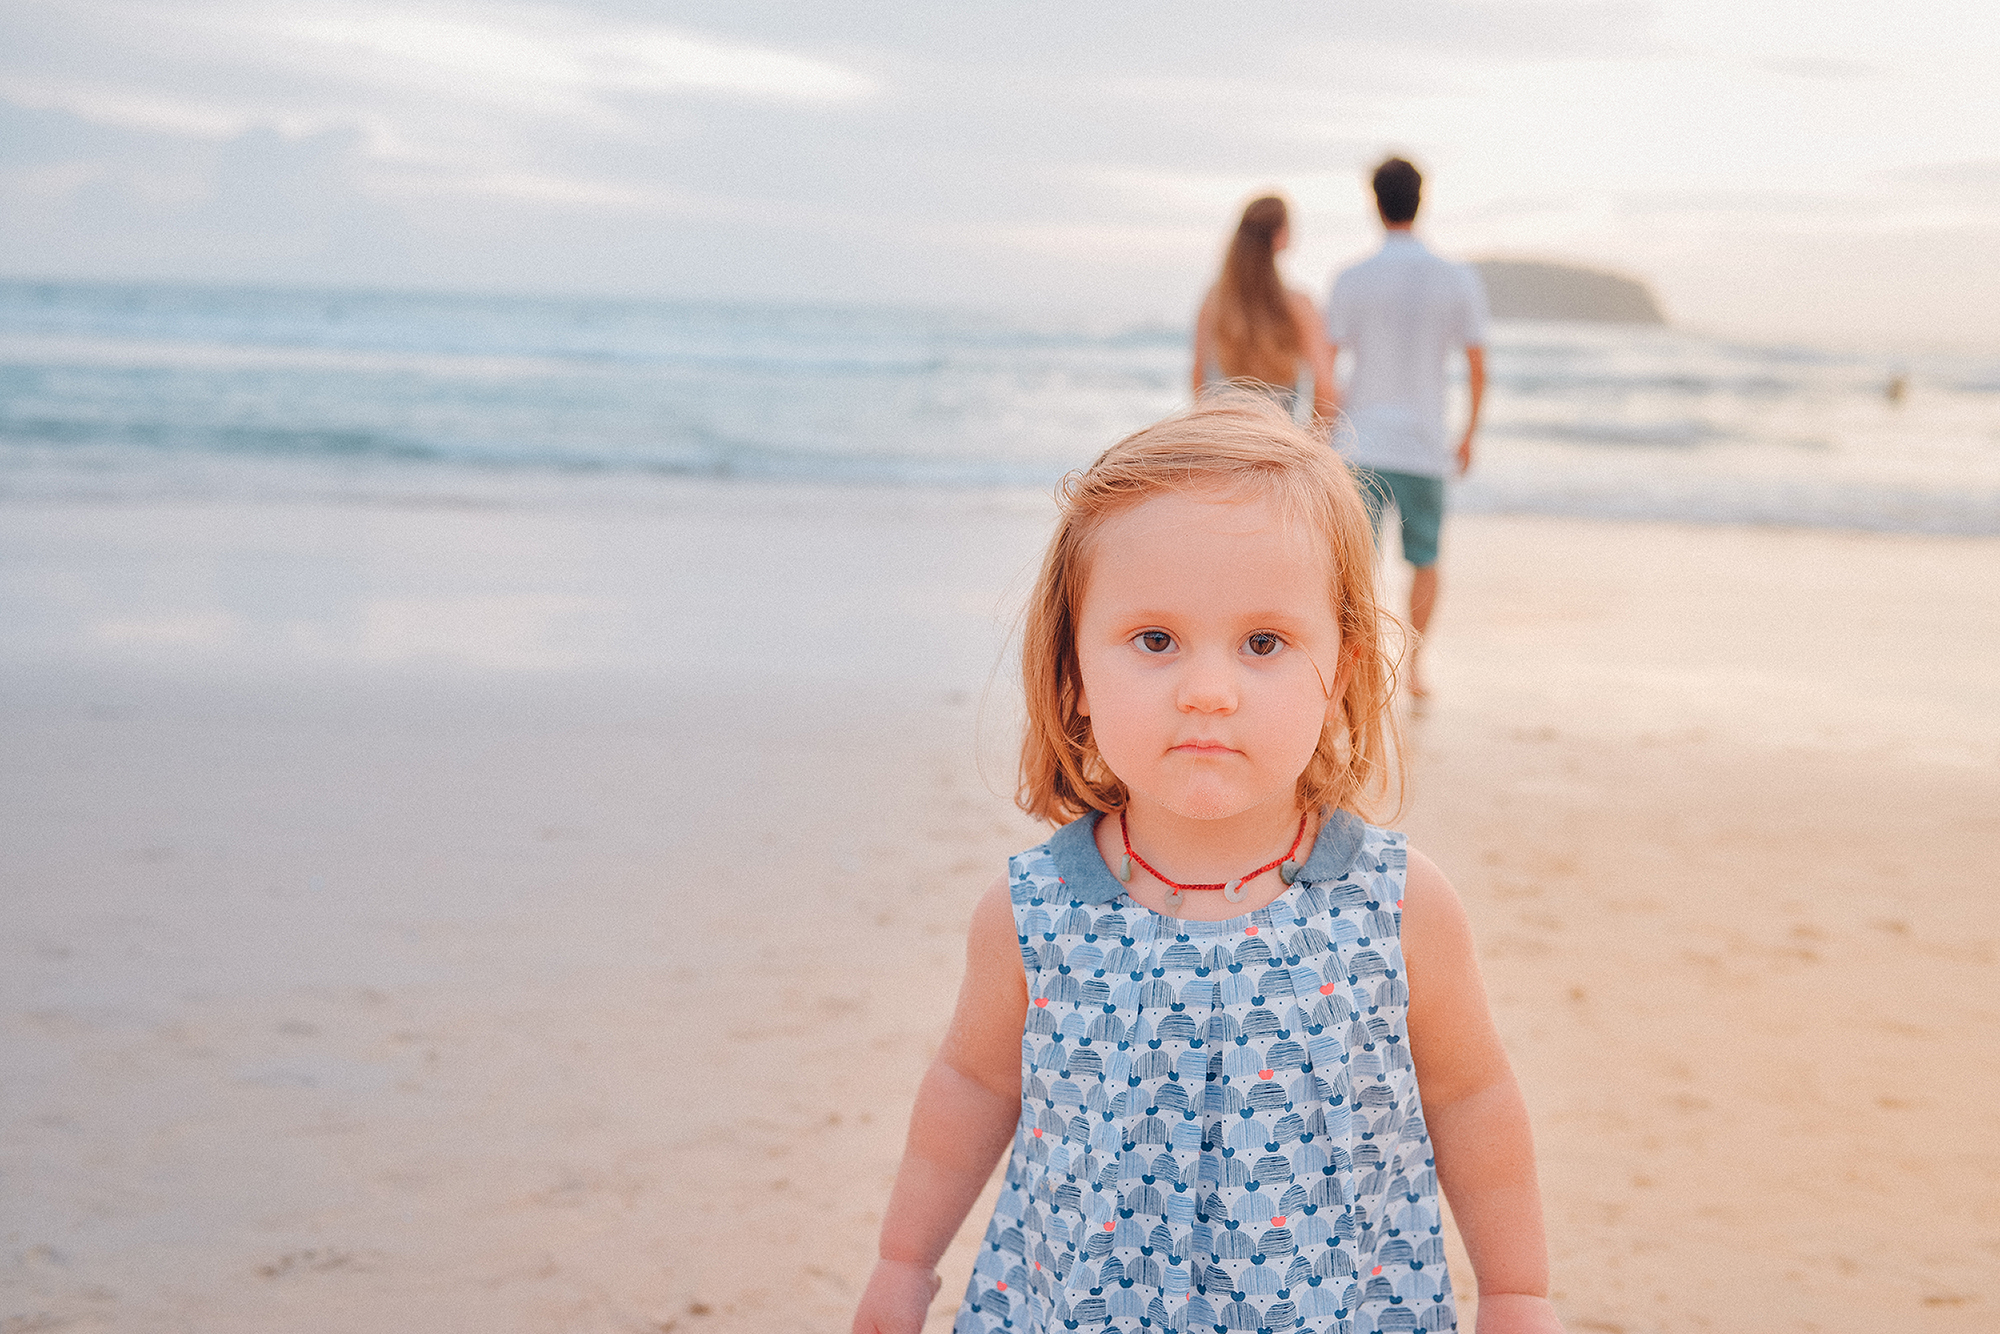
(1898, 386)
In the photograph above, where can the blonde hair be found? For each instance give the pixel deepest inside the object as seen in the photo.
(1256, 332)
(1229, 442)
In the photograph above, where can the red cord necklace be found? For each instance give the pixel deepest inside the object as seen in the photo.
(1233, 890)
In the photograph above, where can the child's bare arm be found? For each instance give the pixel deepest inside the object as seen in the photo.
(1478, 1123)
(967, 1106)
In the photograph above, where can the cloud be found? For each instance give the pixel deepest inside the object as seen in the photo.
(425, 79)
(1973, 180)
(125, 107)
(362, 122)
(32, 135)
(1559, 30)
(1286, 39)
(1823, 68)
(259, 205)
(531, 51)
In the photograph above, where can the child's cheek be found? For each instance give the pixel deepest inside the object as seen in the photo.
(1113, 727)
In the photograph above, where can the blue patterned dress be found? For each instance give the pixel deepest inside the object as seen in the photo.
(1220, 1127)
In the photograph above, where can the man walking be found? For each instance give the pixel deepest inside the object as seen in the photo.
(1404, 313)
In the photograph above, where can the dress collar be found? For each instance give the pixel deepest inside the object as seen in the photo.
(1089, 880)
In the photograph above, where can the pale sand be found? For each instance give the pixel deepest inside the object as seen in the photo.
(536, 920)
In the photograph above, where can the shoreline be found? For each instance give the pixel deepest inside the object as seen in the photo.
(1699, 501)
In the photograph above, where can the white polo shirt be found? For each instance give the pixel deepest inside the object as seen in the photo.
(1403, 312)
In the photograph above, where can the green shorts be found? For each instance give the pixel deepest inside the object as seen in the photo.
(1419, 503)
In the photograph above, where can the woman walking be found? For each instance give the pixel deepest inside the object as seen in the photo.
(1253, 328)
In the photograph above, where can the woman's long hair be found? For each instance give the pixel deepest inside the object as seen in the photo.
(1256, 337)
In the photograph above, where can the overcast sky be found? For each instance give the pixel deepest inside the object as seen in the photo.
(1792, 168)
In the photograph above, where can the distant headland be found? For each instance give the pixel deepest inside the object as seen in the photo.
(1520, 289)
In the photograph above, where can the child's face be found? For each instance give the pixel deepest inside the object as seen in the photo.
(1205, 629)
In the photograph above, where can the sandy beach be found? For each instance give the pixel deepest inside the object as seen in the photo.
(537, 918)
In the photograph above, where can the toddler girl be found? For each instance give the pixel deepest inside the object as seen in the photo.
(1198, 1017)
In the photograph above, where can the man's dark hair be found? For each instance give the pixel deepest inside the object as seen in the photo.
(1398, 188)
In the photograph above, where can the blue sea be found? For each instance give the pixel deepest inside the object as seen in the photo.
(128, 391)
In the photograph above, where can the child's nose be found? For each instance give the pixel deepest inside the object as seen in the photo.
(1209, 684)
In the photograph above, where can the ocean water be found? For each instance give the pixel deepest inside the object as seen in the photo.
(129, 391)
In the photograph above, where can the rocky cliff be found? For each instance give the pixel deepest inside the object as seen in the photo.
(1537, 290)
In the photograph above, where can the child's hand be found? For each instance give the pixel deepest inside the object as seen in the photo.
(899, 1293)
(1516, 1313)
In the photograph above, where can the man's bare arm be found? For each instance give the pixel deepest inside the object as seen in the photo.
(1475, 374)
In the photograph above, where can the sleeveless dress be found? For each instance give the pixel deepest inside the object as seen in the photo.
(1220, 1127)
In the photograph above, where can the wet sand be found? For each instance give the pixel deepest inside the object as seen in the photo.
(538, 919)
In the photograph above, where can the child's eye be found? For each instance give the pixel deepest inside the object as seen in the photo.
(1153, 641)
(1263, 644)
